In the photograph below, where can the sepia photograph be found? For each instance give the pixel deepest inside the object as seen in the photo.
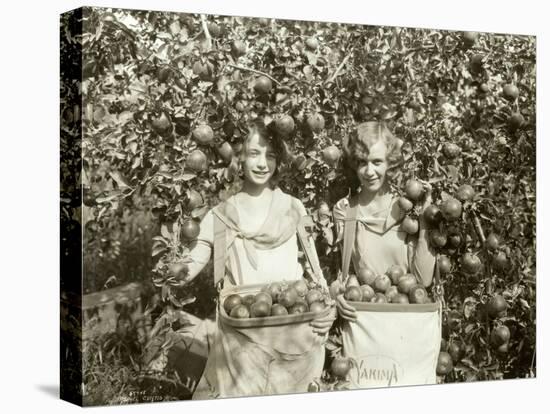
(262, 206)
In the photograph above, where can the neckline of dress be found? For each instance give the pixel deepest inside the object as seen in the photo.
(386, 208)
(236, 203)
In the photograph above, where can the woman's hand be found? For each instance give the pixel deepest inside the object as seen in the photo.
(345, 310)
(427, 201)
(318, 280)
(322, 325)
(179, 271)
(427, 194)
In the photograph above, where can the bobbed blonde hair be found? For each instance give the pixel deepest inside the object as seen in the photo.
(358, 144)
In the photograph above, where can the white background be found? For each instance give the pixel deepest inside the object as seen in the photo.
(30, 220)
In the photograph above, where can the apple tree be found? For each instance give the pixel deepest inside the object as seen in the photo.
(168, 97)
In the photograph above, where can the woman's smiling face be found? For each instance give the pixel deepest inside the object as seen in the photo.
(260, 160)
(372, 171)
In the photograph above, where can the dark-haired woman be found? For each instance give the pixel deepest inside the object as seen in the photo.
(261, 223)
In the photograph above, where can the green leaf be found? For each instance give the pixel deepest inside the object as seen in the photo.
(165, 232)
(133, 146)
(119, 179)
(469, 307)
(136, 163)
(157, 250)
(186, 177)
(112, 196)
(200, 212)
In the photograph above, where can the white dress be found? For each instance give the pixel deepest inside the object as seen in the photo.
(238, 364)
(380, 243)
(277, 264)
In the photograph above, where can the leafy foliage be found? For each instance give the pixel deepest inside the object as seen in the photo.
(151, 78)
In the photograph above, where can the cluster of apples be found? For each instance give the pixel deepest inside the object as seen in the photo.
(447, 211)
(413, 193)
(395, 286)
(276, 299)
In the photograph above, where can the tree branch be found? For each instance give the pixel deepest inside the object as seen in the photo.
(339, 67)
(477, 226)
(205, 30)
(254, 71)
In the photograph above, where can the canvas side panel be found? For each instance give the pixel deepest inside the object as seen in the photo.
(71, 205)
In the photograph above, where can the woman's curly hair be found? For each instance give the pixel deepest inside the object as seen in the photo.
(267, 132)
(357, 147)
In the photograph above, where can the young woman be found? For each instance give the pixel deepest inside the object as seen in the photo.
(371, 154)
(260, 225)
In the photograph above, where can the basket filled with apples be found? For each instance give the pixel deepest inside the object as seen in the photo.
(397, 330)
(273, 304)
(366, 290)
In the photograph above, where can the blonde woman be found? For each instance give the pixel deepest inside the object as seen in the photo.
(372, 152)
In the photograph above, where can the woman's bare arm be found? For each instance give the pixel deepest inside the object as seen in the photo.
(200, 251)
(423, 258)
(423, 261)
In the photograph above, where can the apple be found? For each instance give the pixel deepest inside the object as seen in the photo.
(406, 283)
(382, 283)
(366, 276)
